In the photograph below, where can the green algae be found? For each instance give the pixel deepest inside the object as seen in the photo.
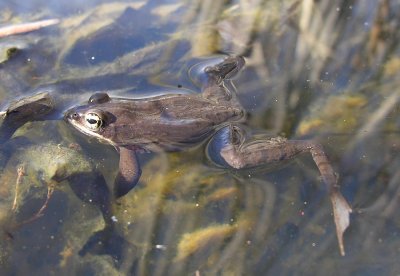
(338, 114)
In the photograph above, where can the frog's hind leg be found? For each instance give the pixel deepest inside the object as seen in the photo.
(225, 70)
(230, 148)
(218, 77)
(213, 77)
(238, 152)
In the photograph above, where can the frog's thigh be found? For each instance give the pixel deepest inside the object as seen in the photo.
(129, 172)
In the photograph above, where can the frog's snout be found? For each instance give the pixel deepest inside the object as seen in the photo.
(67, 115)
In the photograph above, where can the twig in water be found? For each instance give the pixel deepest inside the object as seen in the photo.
(50, 190)
(26, 27)
(20, 174)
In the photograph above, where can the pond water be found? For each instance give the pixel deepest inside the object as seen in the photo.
(322, 70)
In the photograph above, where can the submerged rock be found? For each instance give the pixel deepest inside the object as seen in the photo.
(53, 186)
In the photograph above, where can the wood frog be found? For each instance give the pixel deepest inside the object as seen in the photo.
(175, 122)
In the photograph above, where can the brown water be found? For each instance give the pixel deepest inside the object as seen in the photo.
(327, 71)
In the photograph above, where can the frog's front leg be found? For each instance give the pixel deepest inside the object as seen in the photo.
(128, 174)
(230, 148)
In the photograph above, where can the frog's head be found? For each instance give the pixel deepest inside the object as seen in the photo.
(91, 119)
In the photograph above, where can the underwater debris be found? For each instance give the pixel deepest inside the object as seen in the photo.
(20, 174)
(26, 27)
(198, 240)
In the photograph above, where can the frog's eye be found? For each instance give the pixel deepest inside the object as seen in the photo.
(93, 121)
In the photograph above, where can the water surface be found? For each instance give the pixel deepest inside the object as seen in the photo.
(315, 70)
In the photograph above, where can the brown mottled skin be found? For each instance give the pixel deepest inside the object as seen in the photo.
(163, 122)
(176, 121)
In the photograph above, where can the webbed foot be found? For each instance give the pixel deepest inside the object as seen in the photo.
(107, 242)
(214, 78)
(227, 69)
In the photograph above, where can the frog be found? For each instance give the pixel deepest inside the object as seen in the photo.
(179, 121)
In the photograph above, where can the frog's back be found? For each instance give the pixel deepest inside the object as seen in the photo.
(168, 122)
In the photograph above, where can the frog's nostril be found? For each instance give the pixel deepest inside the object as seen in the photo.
(71, 116)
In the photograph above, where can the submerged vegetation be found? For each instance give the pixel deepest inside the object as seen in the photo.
(326, 70)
